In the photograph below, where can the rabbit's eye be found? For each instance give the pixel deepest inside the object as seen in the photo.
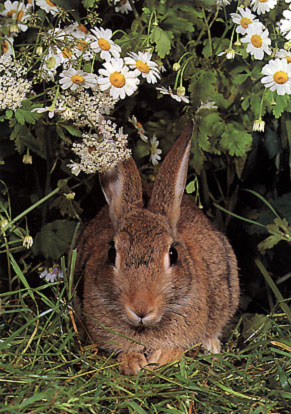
(173, 254)
(111, 254)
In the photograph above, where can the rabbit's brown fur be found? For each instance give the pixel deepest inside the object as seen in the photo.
(164, 306)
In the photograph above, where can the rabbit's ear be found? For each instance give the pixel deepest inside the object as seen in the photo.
(171, 179)
(122, 189)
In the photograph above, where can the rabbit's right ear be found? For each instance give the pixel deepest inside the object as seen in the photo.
(122, 189)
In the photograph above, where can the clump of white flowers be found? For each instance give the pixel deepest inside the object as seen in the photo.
(100, 151)
(14, 88)
(83, 107)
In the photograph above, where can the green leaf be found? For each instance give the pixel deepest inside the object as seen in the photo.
(54, 239)
(162, 39)
(23, 116)
(72, 130)
(282, 102)
(9, 114)
(88, 3)
(236, 140)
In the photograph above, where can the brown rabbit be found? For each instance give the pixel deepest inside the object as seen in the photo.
(159, 278)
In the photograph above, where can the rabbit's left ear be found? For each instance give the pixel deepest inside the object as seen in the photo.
(171, 179)
(122, 189)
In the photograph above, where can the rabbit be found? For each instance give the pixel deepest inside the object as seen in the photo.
(157, 277)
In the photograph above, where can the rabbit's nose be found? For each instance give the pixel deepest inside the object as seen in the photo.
(140, 317)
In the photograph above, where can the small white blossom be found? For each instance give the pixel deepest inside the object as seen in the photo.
(259, 125)
(27, 242)
(52, 110)
(155, 151)
(122, 6)
(230, 53)
(139, 127)
(179, 98)
(52, 274)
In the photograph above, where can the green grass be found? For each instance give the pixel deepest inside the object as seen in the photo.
(44, 369)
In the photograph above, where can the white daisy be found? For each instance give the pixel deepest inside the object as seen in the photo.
(285, 24)
(143, 65)
(17, 12)
(139, 127)
(104, 45)
(123, 6)
(72, 78)
(278, 76)
(263, 6)
(155, 151)
(177, 97)
(243, 19)
(82, 40)
(118, 79)
(48, 6)
(282, 53)
(6, 46)
(257, 40)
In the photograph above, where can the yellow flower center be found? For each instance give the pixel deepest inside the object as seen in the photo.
(49, 3)
(20, 15)
(245, 22)
(83, 29)
(117, 79)
(263, 1)
(143, 67)
(104, 44)
(81, 45)
(280, 77)
(67, 53)
(288, 58)
(11, 12)
(77, 79)
(256, 40)
(5, 46)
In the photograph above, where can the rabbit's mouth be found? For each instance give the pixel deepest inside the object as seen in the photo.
(142, 319)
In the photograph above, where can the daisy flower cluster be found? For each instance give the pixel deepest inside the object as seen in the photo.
(68, 57)
(14, 88)
(256, 36)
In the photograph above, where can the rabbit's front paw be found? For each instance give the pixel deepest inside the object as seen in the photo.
(131, 362)
(163, 356)
(212, 345)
